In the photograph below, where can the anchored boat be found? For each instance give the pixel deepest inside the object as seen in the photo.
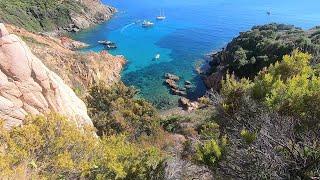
(104, 42)
(147, 24)
(156, 57)
(108, 44)
(161, 16)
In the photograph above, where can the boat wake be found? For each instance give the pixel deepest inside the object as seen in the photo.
(126, 26)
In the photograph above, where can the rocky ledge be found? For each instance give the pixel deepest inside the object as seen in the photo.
(27, 86)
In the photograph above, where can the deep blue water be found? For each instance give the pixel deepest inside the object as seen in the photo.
(192, 29)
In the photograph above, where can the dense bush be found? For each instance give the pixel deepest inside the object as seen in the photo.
(115, 110)
(52, 147)
(273, 131)
(234, 92)
(291, 86)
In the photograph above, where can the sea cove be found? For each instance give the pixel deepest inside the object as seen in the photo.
(192, 29)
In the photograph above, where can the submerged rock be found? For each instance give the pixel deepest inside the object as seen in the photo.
(188, 86)
(179, 92)
(171, 81)
(172, 84)
(27, 86)
(187, 83)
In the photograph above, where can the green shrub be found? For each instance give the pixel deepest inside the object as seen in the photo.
(210, 152)
(234, 92)
(248, 137)
(51, 147)
(115, 110)
(173, 123)
(210, 130)
(290, 86)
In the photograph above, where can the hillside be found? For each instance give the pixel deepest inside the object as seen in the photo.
(78, 70)
(259, 47)
(65, 114)
(43, 15)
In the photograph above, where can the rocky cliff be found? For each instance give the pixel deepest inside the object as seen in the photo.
(78, 70)
(27, 86)
(53, 15)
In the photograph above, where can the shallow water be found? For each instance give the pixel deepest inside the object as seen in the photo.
(192, 29)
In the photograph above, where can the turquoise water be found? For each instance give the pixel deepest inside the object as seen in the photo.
(192, 29)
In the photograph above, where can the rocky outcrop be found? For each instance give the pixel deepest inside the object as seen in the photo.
(171, 81)
(27, 86)
(95, 12)
(188, 105)
(78, 70)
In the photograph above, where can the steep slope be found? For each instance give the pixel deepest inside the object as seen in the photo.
(78, 70)
(43, 15)
(27, 86)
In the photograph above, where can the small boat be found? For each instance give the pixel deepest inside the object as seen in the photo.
(147, 24)
(161, 16)
(106, 42)
(156, 57)
(268, 13)
(110, 46)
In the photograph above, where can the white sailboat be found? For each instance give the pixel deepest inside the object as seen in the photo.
(161, 16)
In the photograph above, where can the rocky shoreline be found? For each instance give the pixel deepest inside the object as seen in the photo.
(96, 13)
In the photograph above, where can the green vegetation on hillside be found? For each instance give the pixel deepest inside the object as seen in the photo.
(51, 147)
(39, 15)
(264, 123)
(115, 110)
(279, 109)
(263, 45)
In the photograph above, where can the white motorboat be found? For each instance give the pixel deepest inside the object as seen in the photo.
(157, 57)
(147, 24)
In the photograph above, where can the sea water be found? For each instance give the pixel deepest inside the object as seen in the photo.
(191, 29)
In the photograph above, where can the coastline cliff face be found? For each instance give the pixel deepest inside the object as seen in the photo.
(94, 12)
(78, 70)
(54, 15)
(27, 86)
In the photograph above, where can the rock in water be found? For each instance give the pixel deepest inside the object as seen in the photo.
(27, 86)
(172, 77)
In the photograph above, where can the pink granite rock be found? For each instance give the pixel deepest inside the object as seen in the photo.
(27, 86)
